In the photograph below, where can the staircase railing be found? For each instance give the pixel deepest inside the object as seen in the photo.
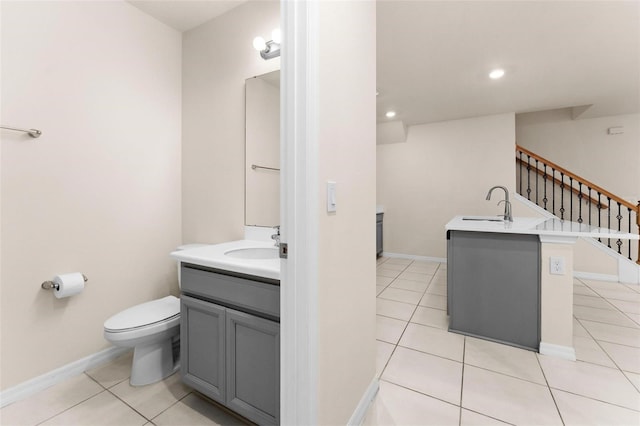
(577, 198)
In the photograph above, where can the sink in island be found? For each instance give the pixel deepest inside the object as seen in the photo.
(512, 282)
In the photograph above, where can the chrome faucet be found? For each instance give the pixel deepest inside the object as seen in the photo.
(507, 204)
(276, 236)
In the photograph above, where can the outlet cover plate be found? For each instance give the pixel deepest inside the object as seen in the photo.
(556, 265)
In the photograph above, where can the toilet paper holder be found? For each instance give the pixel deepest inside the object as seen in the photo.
(48, 285)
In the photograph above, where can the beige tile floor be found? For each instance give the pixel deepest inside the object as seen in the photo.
(103, 396)
(428, 376)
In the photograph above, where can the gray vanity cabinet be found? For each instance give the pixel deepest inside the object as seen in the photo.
(253, 366)
(230, 341)
(379, 217)
(202, 340)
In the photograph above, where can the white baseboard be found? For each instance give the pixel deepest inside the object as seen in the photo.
(58, 375)
(367, 398)
(558, 351)
(414, 257)
(628, 271)
(596, 277)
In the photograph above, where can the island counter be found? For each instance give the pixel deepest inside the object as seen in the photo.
(500, 283)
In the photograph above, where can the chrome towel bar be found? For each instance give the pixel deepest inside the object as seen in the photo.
(34, 133)
(253, 166)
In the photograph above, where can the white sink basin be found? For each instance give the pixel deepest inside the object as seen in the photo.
(253, 253)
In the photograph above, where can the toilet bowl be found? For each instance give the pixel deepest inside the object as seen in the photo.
(150, 329)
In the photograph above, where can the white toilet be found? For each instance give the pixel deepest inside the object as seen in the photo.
(150, 328)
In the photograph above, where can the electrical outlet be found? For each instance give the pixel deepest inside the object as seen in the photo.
(556, 265)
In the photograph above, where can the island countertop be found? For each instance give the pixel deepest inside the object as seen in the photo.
(534, 226)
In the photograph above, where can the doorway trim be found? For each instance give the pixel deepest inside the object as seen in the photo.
(299, 214)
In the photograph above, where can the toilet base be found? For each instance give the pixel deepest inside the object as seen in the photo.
(152, 363)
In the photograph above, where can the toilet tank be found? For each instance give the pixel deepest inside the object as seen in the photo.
(185, 247)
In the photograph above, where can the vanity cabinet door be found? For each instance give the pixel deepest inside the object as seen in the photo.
(253, 367)
(202, 356)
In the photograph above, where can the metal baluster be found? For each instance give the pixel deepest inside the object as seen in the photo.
(553, 191)
(520, 153)
(609, 219)
(528, 177)
(561, 196)
(629, 213)
(589, 205)
(619, 217)
(537, 182)
(599, 213)
(579, 202)
(544, 179)
(570, 198)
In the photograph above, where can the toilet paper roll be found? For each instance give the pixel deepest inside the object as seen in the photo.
(68, 284)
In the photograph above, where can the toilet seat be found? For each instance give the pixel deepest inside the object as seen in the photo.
(142, 320)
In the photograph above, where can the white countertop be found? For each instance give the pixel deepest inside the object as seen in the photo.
(214, 257)
(536, 226)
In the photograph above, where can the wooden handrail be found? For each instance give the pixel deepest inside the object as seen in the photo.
(579, 179)
(559, 182)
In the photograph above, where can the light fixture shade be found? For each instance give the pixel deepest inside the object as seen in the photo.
(390, 114)
(259, 44)
(276, 36)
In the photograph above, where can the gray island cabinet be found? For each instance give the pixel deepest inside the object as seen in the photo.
(493, 284)
(230, 340)
(511, 281)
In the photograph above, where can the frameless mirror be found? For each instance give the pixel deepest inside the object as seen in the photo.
(262, 150)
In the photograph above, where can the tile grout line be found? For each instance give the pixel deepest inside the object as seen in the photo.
(395, 345)
(616, 309)
(408, 322)
(128, 405)
(78, 403)
(553, 398)
(170, 406)
(419, 392)
(594, 399)
(464, 352)
(608, 355)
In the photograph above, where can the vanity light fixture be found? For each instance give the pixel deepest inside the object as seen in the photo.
(496, 74)
(269, 49)
(390, 114)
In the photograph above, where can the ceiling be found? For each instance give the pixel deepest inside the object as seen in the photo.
(433, 57)
(184, 15)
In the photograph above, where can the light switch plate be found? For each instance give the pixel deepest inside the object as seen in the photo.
(331, 197)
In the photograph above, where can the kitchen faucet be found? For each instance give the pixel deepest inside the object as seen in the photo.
(507, 204)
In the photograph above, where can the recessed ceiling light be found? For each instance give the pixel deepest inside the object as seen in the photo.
(496, 74)
(390, 114)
